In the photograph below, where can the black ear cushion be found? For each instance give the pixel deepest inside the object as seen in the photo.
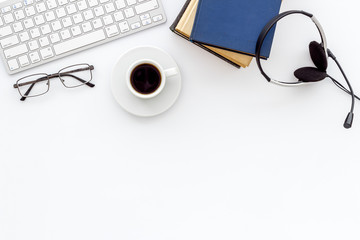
(310, 74)
(318, 55)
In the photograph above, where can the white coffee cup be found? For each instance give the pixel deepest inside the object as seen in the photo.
(165, 74)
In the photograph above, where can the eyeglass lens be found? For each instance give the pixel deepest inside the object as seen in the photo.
(33, 85)
(76, 75)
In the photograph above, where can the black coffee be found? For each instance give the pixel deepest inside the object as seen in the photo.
(145, 78)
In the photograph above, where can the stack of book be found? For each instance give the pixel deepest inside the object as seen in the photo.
(229, 29)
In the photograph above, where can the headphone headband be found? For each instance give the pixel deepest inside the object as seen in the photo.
(265, 32)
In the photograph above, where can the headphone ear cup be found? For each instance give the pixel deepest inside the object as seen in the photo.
(310, 74)
(318, 55)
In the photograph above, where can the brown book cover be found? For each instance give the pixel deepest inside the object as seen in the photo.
(183, 24)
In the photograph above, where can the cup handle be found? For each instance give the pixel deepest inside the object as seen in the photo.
(171, 72)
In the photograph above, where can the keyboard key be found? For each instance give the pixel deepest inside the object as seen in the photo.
(13, 64)
(146, 22)
(15, 51)
(111, 31)
(39, 19)
(65, 34)
(51, 4)
(28, 23)
(34, 57)
(135, 25)
(50, 16)
(78, 18)
(10, 41)
(44, 41)
(129, 12)
(40, 7)
(124, 26)
(24, 36)
(45, 29)
(145, 7)
(79, 42)
(131, 2)
(24, 60)
(33, 45)
(108, 20)
(88, 15)
(118, 16)
(46, 53)
(19, 15)
(71, 9)
(144, 17)
(17, 5)
(81, 5)
(35, 32)
(30, 11)
(109, 7)
(120, 4)
(56, 25)
(157, 18)
(86, 27)
(17, 27)
(60, 12)
(54, 38)
(5, 31)
(97, 23)
(99, 11)
(28, 2)
(93, 3)
(6, 9)
(66, 22)
(62, 2)
(8, 18)
(75, 31)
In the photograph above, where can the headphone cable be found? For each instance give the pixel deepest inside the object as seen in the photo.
(339, 85)
(350, 117)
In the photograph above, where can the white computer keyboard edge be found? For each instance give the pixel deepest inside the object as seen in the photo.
(155, 12)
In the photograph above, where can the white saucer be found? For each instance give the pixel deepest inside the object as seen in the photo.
(145, 107)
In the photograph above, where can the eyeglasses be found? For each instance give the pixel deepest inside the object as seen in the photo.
(39, 84)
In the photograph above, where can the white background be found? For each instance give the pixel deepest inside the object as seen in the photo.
(235, 158)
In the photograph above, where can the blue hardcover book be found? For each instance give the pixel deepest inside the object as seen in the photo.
(235, 25)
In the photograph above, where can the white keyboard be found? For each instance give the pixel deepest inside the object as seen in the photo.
(34, 32)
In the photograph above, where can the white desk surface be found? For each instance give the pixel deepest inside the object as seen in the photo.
(235, 158)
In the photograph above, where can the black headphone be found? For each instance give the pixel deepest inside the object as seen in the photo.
(319, 54)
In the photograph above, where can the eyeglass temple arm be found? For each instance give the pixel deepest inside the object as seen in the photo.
(91, 67)
(23, 98)
(27, 92)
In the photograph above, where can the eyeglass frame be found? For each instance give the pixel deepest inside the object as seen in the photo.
(47, 78)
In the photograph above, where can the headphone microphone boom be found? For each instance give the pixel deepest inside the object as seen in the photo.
(350, 117)
(319, 54)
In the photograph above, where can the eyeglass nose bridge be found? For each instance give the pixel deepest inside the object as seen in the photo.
(55, 75)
